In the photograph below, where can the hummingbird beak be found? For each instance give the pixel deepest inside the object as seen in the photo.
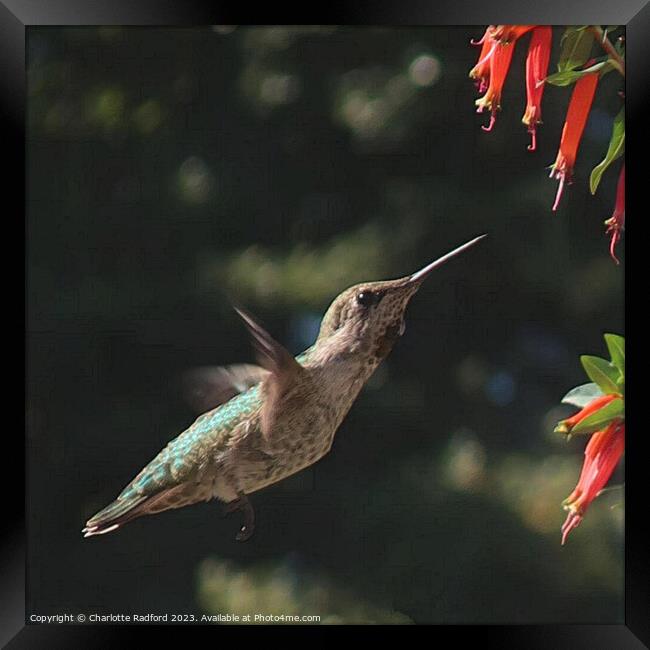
(422, 274)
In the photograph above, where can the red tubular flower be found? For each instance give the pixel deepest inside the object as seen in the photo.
(602, 454)
(574, 125)
(617, 221)
(565, 426)
(539, 53)
(499, 66)
(481, 71)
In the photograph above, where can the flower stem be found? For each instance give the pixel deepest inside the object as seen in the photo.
(606, 44)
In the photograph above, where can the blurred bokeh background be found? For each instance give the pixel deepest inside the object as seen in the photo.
(172, 172)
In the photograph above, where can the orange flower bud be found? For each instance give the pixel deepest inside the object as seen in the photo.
(565, 426)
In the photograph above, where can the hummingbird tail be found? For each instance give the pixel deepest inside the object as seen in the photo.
(113, 516)
(131, 504)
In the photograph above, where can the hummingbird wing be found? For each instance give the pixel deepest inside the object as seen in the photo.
(285, 372)
(206, 387)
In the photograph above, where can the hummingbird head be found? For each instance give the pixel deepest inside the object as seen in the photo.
(369, 317)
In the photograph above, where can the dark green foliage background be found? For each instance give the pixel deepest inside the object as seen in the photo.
(156, 159)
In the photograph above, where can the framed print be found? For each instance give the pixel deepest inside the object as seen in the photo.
(325, 323)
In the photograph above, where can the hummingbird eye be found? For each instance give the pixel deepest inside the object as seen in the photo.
(368, 298)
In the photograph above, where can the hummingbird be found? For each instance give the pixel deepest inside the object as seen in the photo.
(277, 417)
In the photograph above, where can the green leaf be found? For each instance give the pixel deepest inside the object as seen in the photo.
(601, 372)
(601, 418)
(615, 150)
(576, 48)
(580, 396)
(616, 347)
(567, 77)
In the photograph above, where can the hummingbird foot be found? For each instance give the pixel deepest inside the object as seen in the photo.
(243, 503)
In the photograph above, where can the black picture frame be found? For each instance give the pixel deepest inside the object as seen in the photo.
(17, 15)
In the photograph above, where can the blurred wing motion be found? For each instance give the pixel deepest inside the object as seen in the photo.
(286, 374)
(206, 387)
(172, 479)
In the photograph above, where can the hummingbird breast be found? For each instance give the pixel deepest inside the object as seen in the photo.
(334, 387)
